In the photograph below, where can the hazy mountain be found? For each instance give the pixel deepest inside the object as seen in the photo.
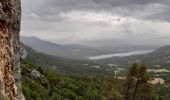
(77, 51)
(159, 57)
(62, 65)
(124, 44)
(69, 51)
(165, 50)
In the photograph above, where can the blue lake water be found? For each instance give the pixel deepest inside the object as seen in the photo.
(120, 54)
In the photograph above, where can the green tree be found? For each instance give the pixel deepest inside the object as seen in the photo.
(137, 86)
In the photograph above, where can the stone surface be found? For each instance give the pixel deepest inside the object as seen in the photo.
(35, 74)
(10, 77)
(23, 51)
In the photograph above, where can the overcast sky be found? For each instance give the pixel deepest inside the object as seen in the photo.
(81, 21)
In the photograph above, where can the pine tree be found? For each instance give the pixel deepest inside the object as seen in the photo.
(137, 86)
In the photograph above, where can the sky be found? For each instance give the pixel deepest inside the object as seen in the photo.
(106, 22)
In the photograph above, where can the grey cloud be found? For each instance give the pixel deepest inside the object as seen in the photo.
(162, 16)
(123, 2)
(43, 17)
(50, 9)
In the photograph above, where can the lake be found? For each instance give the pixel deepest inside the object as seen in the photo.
(120, 54)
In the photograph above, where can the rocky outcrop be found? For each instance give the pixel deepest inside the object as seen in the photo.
(35, 74)
(23, 51)
(10, 77)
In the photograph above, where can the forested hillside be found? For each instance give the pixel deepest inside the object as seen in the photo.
(43, 84)
(40, 84)
(63, 65)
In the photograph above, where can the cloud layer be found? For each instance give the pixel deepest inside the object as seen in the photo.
(81, 21)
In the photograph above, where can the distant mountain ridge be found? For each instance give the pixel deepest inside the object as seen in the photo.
(164, 49)
(159, 57)
(68, 51)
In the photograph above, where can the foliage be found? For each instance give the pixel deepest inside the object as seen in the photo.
(111, 89)
(51, 86)
(137, 86)
(63, 65)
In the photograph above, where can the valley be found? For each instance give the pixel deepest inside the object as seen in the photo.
(85, 49)
(106, 68)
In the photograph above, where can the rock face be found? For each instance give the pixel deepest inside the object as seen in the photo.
(35, 74)
(10, 77)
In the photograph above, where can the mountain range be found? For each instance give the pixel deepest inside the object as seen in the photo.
(62, 65)
(76, 51)
(47, 55)
(158, 58)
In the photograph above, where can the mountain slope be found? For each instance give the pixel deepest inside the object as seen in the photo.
(40, 84)
(63, 65)
(160, 57)
(69, 51)
(165, 50)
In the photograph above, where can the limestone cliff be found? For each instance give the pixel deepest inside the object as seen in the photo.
(10, 77)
